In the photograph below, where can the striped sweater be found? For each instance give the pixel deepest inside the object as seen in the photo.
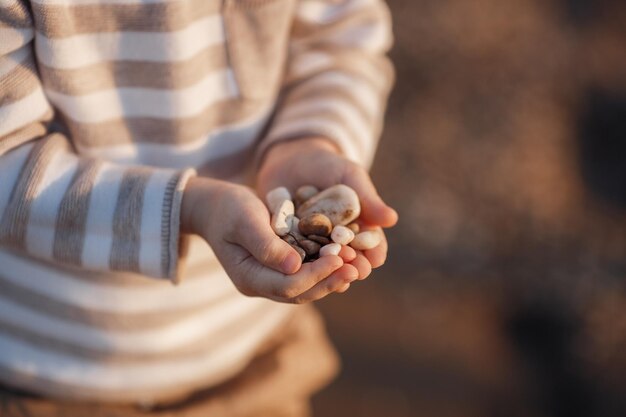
(107, 107)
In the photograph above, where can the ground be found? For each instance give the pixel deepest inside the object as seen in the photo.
(505, 154)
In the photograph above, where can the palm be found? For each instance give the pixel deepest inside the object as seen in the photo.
(318, 168)
(300, 163)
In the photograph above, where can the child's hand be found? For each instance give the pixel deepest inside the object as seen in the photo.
(236, 224)
(317, 161)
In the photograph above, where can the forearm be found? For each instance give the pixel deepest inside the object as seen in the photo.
(58, 206)
(287, 148)
(338, 77)
(200, 197)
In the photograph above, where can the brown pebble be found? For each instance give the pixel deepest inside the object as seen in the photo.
(297, 235)
(310, 247)
(300, 251)
(319, 239)
(354, 227)
(315, 224)
(314, 256)
(290, 239)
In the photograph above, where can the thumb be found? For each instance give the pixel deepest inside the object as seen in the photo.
(258, 238)
(373, 209)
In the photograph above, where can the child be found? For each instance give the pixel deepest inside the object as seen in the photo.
(129, 132)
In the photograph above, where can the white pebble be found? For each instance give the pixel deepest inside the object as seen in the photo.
(275, 197)
(339, 203)
(282, 218)
(342, 235)
(366, 240)
(330, 249)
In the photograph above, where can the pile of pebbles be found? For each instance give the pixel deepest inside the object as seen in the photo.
(318, 223)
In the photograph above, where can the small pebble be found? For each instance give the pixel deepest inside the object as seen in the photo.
(281, 219)
(330, 249)
(342, 235)
(319, 239)
(354, 227)
(366, 240)
(311, 248)
(300, 251)
(275, 197)
(315, 224)
(339, 203)
(325, 220)
(297, 235)
(293, 224)
(304, 193)
(295, 229)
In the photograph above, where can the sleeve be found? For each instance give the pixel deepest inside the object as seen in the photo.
(58, 206)
(338, 76)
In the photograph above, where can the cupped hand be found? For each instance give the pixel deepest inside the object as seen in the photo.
(318, 162)
(236, 224)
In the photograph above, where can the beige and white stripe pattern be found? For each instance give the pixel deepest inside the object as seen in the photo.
(337, 76)
(107, 107)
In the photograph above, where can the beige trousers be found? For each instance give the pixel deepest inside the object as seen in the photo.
(278, 383)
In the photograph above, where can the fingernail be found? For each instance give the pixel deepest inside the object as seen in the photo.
(290, 263)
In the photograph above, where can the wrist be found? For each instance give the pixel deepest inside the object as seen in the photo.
(195, 209)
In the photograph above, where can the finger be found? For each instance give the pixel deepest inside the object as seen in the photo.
(347, 253)
(362, 264)
(255, 279)
(343, 289)
(336, 282)
(378, 255)
(373, 208)
(258, 238)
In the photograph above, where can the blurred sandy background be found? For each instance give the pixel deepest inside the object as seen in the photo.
(505, 154)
